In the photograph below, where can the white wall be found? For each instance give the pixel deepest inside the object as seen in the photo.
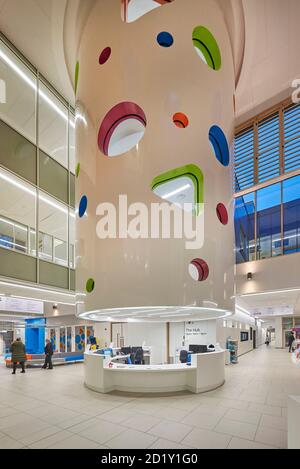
(155, 335)
(242, 323)
(177, 331)
(278, 332)
(276, 273)
(102, 332)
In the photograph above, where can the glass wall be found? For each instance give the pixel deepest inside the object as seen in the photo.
(245, 228)
(37, 170)
(19, 108)
(267, 221)
(17, 214)
(53, 230)
(291, 215)
(268, 146)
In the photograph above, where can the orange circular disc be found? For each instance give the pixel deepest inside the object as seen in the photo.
(180, 120)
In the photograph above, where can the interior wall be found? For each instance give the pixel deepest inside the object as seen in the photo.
(278, 332)
(276, 273)
(154, 335)
(102, 332)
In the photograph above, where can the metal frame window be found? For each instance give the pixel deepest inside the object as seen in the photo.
(69, 113)
(267, 221)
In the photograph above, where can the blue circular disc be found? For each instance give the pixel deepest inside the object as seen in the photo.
(165, 39)
(220, 145)
(82, 206)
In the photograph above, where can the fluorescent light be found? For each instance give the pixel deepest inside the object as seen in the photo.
(169, 315)
(16, 183)
(33, 85)
(269, 292)
(176, 191)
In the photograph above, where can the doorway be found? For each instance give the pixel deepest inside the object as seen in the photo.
(254, 338)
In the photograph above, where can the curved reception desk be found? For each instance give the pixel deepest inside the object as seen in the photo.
(206, 372)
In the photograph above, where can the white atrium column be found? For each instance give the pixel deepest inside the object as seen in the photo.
(155, 122)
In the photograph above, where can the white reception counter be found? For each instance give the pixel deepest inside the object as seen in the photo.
(206, 372)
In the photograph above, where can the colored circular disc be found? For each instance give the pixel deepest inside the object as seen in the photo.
(90, 285)
(198, 270)
(222, 213)
(180, 120)
(82, 206)
(165, 39)
(105, 55)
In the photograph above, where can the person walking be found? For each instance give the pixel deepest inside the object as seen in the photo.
(18, 355)
(291, 340)
(48, 355)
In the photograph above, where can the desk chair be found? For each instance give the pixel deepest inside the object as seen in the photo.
(139, 357)
(183, 357)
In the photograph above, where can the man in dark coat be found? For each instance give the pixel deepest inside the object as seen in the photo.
(18, 355)
(48, 355)
(291, 339)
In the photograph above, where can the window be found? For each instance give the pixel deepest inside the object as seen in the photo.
(17, 214)
(37, 195)
(268, 146)
(53, 230)
(244, 160)
(292, 138)
(72, 238)
(53, 126)
(72, 161)
(269, 222)
(18, 109)
(291, 215)
(245, 228)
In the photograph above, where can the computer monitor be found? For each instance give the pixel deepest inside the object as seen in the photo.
(198, 348)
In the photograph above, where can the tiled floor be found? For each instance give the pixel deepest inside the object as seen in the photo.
(52, 409)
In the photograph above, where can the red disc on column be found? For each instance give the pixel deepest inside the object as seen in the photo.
(198, 270)
(222, 213)
(121, 129)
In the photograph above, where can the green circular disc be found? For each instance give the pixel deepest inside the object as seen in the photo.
(207, 47)
(76, 76)
(90, 285)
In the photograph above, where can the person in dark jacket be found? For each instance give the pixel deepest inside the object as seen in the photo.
(18, 355)
(48, 355)
(291, 340)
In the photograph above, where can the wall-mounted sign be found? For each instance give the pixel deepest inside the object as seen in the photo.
(21, 305)
(201, 332)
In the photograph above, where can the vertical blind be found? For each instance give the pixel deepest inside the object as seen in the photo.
(267, 147)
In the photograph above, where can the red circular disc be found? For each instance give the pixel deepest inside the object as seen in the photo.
(202, 269)
(118, 115)
(104, 56)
